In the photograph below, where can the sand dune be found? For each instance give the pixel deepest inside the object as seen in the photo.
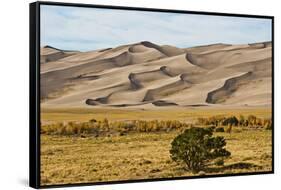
(165, 49)
(50, 54)
(149, 75)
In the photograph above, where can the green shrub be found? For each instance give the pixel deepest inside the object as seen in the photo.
(219, 162)
(231, 121)
(196, 147)
(219, 129)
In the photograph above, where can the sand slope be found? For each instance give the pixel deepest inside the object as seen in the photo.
(149, 75)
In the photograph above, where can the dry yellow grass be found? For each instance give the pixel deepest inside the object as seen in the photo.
(72, 159)
(182, 114)
(140, 156)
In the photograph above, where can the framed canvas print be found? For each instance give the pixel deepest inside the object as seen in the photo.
(122, 94)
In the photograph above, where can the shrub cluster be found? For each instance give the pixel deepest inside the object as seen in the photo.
(250, 121)
(105, 127)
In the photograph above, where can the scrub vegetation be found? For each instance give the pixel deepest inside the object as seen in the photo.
(110, 148)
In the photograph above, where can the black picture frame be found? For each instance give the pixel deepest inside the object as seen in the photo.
(34, 97)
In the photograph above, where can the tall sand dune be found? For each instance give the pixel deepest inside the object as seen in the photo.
(149, 75)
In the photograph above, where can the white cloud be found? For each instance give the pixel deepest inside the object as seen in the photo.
(88, 28)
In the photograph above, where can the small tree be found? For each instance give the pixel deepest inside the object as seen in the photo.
(196, 147)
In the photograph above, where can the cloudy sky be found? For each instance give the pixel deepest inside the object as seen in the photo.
(76, 28)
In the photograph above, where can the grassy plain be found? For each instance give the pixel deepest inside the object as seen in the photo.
(73, 159)
(112, 114)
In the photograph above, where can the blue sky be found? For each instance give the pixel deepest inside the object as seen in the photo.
(76, 28)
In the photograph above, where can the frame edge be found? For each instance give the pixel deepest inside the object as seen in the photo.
(34, 162)
(34, 139)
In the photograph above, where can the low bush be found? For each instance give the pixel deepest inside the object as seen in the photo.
(219, 129)
(196, 147)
